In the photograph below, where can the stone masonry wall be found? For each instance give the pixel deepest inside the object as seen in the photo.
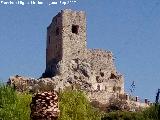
(73, 34)
(54, 39)
(106, 76)
(66, 40)
(53, 45)
(101, 61)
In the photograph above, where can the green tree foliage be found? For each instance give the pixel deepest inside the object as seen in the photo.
(119, 115)
(118, 104)
(75, 106)
(151, 113)
(13, 105)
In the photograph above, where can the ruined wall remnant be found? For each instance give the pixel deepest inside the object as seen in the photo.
(66, 41)
(101, 61)
(44, 106)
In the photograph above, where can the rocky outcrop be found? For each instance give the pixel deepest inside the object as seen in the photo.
(21, 84)
(98, 85)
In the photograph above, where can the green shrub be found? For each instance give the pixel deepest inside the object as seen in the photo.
(14, 106)
(75, 106)
(123, 116)
(151, 113)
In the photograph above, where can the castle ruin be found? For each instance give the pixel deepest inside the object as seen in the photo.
(69, 59)
(70, 64)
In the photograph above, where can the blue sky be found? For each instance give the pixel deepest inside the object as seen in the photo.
(129, 28)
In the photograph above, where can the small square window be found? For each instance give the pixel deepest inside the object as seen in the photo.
(57, 31)
(56, 20)
(56, 46)
(49, 40)
(75, 29)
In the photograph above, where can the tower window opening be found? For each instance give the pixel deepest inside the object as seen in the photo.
(56, 20)
(57, 31)
(75, 29)
(49, 40)
(56, 46)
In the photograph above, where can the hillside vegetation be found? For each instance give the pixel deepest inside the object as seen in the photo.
(13, 105)
(73, 106)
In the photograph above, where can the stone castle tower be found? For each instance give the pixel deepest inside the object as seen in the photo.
(66, 39)
(70, 63)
